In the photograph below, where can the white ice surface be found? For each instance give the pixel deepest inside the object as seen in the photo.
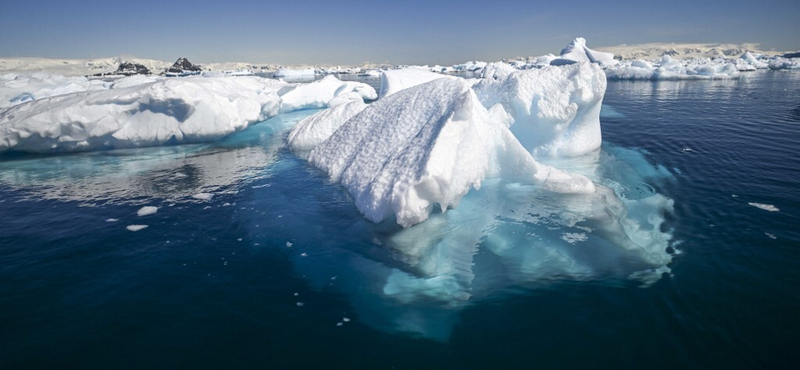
(319, 94)
(555, 109)
(426, 146)
(395, 80)
(668, 68)
(318, 127)
(147, 111)
(577, 51)
(146, 210)
(286, 72)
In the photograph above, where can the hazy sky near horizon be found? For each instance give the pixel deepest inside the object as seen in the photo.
(400, 32)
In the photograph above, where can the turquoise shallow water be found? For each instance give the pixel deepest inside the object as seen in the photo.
(279, 270)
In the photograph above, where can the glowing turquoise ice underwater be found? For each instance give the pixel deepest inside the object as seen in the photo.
(671, 267)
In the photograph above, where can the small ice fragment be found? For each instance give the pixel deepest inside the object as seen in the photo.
(345, 319)
(147, 210)
(136, 227)
(687, 150)
(304, 254)
(734, 196)
(300, 304)
(766, 207)
(771, 236)
(203, 196)
(334, 278)
(339, 323)
(112, 220)
(238, 239)
(296, 294)
(573, 238)
(289, 244)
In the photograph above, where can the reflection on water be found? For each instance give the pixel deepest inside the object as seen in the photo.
(170, 173)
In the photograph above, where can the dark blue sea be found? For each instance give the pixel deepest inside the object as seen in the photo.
(278, 269)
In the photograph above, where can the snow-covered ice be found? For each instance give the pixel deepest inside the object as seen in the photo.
(577, 51)
(289, 73)
(136, 227)
(426, 146)
(147, 210)
(318, 127)
(148, 111)
(203, 196)
(319, 94)
(766, 207)
(393, 81)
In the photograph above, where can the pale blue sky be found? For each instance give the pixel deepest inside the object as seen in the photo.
(352, 32)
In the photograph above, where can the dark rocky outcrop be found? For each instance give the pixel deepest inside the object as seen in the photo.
(183, 65)
(127, 69)
(792, 55)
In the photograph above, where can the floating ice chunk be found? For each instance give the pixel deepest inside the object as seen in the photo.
(395, 80)
(112, 220)
(315, 129)
(191, 109)
(136, 227)
(672, 69)
(428, 145)
(766, 207)
(203, 196)
(573, 238)
(771, 236)
(556, 110)
(784, 63)
(286, 72)
(577, 51)
(318, 94)
(147, 210)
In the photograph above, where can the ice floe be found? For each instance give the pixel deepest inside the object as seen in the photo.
(146, 111)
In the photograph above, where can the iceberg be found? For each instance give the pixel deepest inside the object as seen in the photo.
(147, 111)
(427, 146)
(780, 63)
(577, 51)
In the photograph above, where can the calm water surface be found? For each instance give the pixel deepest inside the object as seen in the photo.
(278, 269)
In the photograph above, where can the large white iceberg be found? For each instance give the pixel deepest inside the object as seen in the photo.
(427, 146)
(160, 112)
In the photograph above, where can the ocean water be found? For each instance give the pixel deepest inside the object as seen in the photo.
(692, 262)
